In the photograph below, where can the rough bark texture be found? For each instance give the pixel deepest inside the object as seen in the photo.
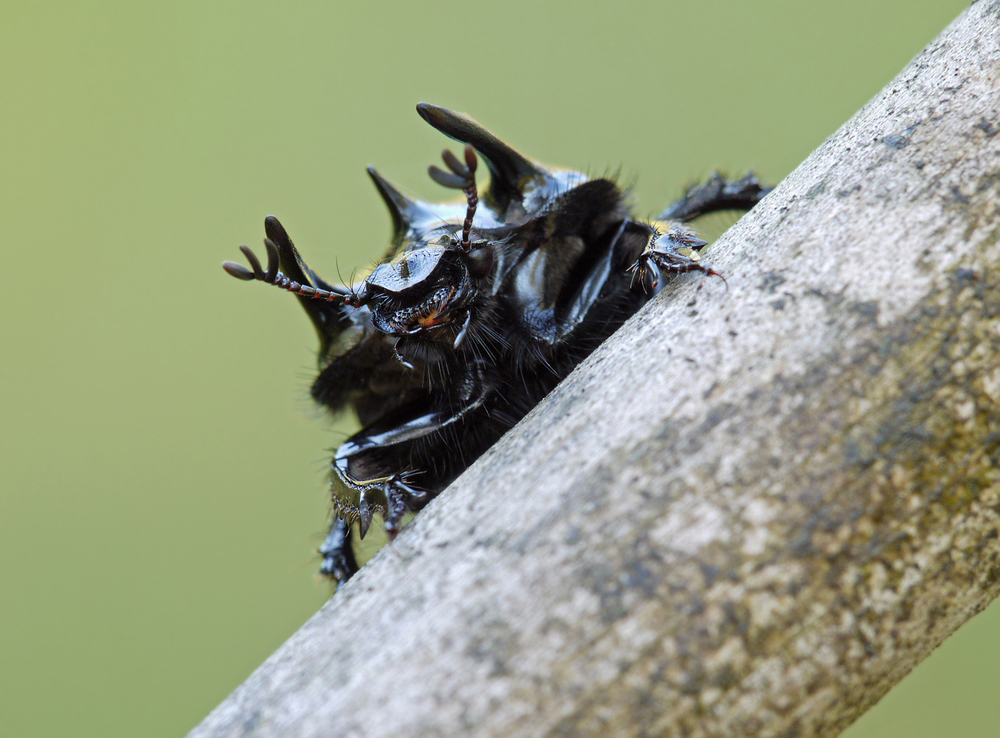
(754, 510)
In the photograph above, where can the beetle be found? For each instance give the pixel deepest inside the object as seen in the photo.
(477, 311)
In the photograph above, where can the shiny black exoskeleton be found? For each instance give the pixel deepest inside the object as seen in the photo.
(478, 311)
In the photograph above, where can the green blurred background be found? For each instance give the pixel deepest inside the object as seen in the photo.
(163, 470)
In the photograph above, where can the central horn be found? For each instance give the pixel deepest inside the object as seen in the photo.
(511, 173)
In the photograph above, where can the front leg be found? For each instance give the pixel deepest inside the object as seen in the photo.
(716, 194)
(339, 563)
(369, 476)
(373, 472)
(673, 250)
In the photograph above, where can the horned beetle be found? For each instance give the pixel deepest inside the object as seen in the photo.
(478, 311)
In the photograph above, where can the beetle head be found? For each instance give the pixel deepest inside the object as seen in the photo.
(441, 267)
(428, 288)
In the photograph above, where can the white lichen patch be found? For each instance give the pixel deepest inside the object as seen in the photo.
(990, 497)
(966, 410)
(759, 511)
(991, 384)
(731, 654)
(768, 610)
(690, 529)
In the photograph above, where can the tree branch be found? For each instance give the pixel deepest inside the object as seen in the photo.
(753, 510)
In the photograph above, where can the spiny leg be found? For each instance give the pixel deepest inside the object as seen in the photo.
(716, 194)
(675, 252)
(339, 563)
(400, 497)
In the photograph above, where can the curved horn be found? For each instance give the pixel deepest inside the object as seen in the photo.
(511, 172)
(324, 315)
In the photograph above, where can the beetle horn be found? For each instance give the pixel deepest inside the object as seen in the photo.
(402, 209)
(324, 315)
(511, 173)
(396, 202)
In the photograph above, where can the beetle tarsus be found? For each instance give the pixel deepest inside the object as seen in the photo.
(339, 563)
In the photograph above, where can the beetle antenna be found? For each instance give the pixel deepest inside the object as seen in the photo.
(462, 177)
(336, 264)
(272, 275)
(355, 299)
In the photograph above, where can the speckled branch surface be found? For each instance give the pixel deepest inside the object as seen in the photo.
(752, 511)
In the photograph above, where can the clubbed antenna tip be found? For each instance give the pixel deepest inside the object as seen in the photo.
(462, 177)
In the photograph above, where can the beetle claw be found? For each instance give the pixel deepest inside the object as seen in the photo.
(364, 518)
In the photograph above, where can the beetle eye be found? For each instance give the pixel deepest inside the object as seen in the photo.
(479, 260)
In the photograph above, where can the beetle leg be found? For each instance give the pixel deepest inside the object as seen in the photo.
(716, 194)
(645, 274)
(373, 469)
(338, 555)
(675, 251)
(460, 336)
(400, 497)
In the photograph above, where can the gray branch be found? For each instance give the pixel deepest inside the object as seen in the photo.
(752, 511)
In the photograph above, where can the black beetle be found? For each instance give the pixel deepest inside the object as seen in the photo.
(475, 314)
